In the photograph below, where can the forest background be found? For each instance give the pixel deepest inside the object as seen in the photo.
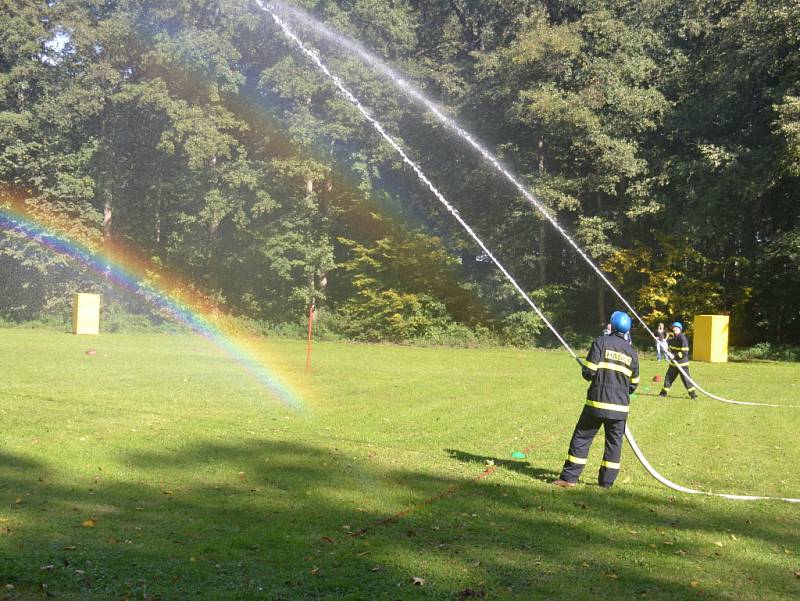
(664, 134)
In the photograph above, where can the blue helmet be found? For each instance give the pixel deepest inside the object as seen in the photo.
(677, 324)
(620, 321)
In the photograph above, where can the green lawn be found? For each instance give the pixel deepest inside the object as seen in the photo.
(159, 469)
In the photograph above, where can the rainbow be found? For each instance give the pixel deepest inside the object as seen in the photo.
(133, 273)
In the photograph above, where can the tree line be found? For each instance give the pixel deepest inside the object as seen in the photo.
(664, 135)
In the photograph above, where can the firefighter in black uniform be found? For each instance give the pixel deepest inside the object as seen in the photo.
(679, 347)
(612, 367)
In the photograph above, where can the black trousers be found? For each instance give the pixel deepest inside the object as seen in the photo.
(672, 375)
(585, 431)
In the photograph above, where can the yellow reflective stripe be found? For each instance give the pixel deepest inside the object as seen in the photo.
(591, 365)
(614, 367)
(692, 389)
(610, 464)
(635, 380)
(608, 406)
(578, 460)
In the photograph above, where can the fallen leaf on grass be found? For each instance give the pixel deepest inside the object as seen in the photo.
(612, 575)
(48, 568)
(328, 539)
(718, 543)
(90, 523)
(416, 581)
(376, 569)
(797, 573)
(695, 583)
(70, 548)
(314, 571)
(18, 501)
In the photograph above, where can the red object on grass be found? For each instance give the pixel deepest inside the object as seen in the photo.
(656, 378)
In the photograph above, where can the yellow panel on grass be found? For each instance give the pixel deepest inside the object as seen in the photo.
(86, 314)
(710, 338)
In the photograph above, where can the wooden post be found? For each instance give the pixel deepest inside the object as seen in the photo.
(310, 330)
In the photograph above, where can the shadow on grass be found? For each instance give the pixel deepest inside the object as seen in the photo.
(266, 519)
(655, 395)
(521, 467)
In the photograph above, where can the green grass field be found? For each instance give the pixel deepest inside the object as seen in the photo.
(159, 469)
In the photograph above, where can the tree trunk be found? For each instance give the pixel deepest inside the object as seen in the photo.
(311, 280)
(542, 226)
(106, 195)
(601, 285)
(542, 253)
(601, 302)
(323, 283)
(107, 212)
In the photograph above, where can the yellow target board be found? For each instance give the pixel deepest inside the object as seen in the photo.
(86, 314)
(710, 338)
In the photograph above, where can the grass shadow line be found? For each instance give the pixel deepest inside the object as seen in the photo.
(524, 468)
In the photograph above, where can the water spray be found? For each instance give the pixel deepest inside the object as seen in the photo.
(452, 210)
(411, 91)
(416, 168)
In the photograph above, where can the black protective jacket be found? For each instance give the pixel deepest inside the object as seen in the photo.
(679, 347)
(612, 367)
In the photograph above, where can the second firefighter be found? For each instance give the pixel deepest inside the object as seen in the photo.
(679, 351)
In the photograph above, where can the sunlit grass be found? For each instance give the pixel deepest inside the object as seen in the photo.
(156, 468)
